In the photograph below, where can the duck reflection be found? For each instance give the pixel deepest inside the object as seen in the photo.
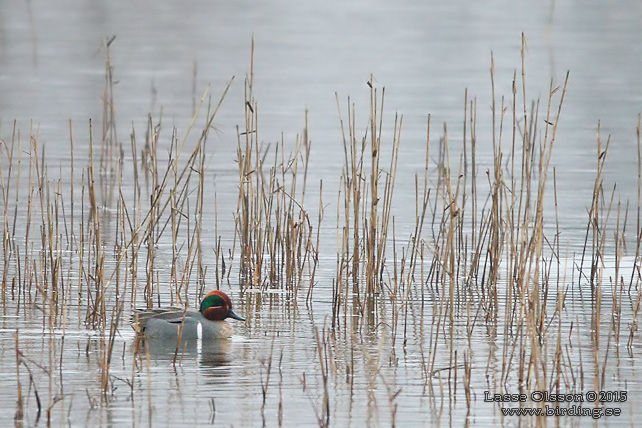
(208, 353)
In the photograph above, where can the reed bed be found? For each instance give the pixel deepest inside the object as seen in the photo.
(273, 229)
(484, 256)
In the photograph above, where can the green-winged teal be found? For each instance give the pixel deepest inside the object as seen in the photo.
(206, 323)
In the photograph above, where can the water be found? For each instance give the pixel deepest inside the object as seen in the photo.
(426, 54)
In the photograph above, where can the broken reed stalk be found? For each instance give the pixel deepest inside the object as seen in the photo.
(324, 361)
(315, 249)
(96, 315)
(19, 415)
(635, 271)
(5, 187)
(109, 141)
(636, 267)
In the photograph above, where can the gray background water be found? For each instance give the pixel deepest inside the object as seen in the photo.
(425, 54)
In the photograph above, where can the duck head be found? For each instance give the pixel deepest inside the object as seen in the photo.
(217, 306)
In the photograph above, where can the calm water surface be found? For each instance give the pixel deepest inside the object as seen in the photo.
(426, 54)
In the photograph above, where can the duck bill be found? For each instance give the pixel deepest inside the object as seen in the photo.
(231, 314)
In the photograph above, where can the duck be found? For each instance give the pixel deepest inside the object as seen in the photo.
(206, 323)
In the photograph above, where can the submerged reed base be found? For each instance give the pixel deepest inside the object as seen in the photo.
(479, 307)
